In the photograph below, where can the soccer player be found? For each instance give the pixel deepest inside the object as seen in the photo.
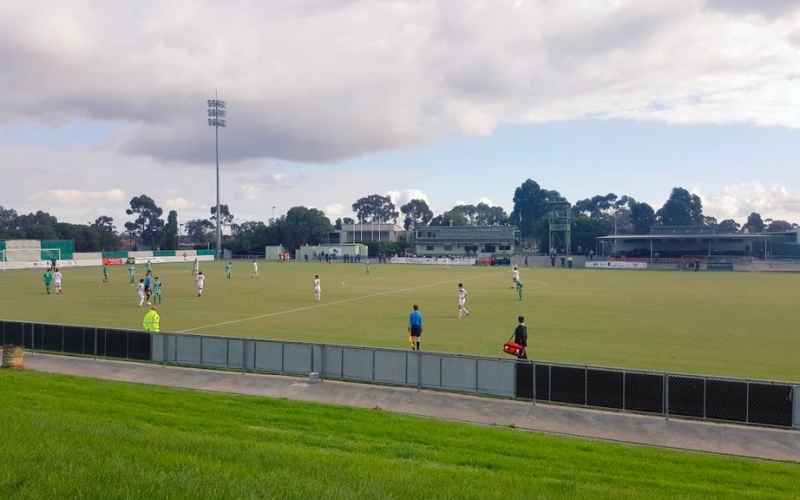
(255, 270)
(157, 290)
(57, 280)
(447, 263)
(196, 269)
(317, 288)
(520, 288)
(105, 273)
(229, 271)
(514, 277)
(366, 265)
(140, 291)
(201, 280)
(47, 278)
(132, 273)
(147, 282)
(149, 266)
(462, 299)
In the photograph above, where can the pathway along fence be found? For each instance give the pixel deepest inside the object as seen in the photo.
(671, 395)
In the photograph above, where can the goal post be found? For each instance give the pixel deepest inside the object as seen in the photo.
(11, 258)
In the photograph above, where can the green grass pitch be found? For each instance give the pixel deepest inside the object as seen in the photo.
(729, 324)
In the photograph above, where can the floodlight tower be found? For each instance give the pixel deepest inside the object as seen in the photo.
(216, 119)
(560, 225)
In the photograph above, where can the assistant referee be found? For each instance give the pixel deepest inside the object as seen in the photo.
(415, 326)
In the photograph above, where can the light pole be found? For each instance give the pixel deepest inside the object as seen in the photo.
(273, 214)
(180, 233)
(216, 119)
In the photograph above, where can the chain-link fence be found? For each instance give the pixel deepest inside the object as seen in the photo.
(680, 395)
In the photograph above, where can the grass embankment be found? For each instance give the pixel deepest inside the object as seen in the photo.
(67, 437)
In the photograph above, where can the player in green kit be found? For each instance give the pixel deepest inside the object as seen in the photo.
(132, 273)
(157, 290)
(229, 271)
(105, 274)
(520, 288)
(366, 266)
(47, 278)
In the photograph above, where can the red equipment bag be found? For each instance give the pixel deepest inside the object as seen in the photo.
(513, 348)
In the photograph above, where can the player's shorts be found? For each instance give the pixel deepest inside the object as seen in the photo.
(461, 302)
(416, 330)
(147, 289)
(141, 295)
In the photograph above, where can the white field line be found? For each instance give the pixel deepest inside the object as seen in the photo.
(325, 304)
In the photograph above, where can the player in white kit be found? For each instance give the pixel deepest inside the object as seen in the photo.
(317, 288)
(462, 299)
(57, 280)
(201, 280)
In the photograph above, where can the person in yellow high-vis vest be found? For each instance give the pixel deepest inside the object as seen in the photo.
(152, 320)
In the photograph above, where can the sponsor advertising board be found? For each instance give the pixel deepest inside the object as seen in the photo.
(613, 264)
(433, 261)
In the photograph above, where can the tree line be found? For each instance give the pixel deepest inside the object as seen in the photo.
(592, 217)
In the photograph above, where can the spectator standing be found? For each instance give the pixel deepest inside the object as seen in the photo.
(521, 337)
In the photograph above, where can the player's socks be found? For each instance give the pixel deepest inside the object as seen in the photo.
(418, 346)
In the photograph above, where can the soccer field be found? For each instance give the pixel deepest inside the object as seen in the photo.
(732, 324)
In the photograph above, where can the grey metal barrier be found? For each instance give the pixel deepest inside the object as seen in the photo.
(668, 394)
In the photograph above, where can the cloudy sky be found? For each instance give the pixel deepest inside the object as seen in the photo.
(451, 101)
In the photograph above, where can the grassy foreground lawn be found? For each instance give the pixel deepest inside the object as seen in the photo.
(67, 437)
(733, 324)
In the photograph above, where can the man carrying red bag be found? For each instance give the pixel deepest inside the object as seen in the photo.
(521, 338)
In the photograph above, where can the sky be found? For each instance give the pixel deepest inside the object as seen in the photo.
(451, 101)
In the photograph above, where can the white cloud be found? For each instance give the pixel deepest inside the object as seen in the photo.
(400, 198)
(76, 197)
(250, 192)
(301, 85)
(182, 204)
(334, 211)
(737, 201)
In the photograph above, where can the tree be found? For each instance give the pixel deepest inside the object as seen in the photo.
(104, 223)
(643, 217)
(37, 226)
(226, 218)
(8, 219)
(586, 230)
(681, 209)
(709, 221)
(531, 205)
(340, 221)
(776, 226)
(148, 223)
(754, 223)
(304, 226)
(170, 241)
(417, 214)
(596, 206)
(450, 218)
(728, 226)
(375, 208)
(198, 230)
(470, 212)
(490, 216)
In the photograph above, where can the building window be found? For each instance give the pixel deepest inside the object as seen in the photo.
(429, 248)
(448, 248)
(505, 247)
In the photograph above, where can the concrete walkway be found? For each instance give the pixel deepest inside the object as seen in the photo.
(750, 441)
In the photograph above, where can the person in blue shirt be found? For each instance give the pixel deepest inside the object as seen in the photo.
(415, 327)
(147, 283)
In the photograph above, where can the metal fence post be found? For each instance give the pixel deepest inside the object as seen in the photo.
(666, 396)
(419, 370)
(747, 404)
(585, 385)
(477, 385)
(534, 383)
(244, 356)
(705, 388)
(796, 412)
(164, 348)
(95, 343)
(624, 391)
